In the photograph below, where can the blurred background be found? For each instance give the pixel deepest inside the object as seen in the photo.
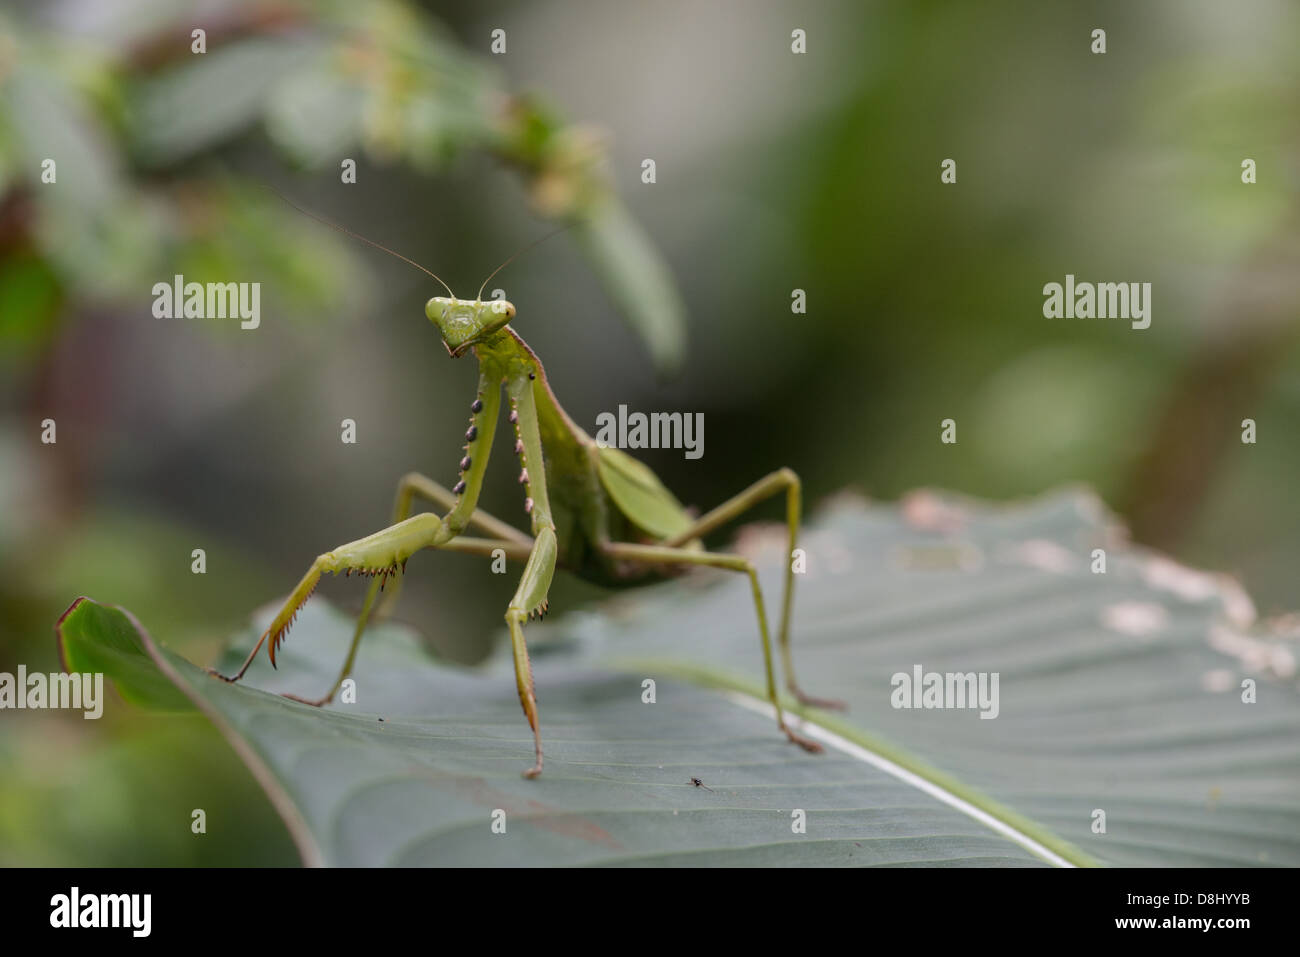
(774, 171)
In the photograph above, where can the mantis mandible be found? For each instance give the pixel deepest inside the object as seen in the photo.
(592, 510)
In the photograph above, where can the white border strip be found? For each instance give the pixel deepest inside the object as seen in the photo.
(907, 777)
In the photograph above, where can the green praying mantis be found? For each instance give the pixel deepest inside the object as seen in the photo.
(592, 509)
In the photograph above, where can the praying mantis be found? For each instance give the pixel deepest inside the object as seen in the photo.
(592, 509)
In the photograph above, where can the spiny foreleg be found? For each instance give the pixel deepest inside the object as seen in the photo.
(382, 555)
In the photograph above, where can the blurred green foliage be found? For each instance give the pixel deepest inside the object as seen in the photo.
(775, 172)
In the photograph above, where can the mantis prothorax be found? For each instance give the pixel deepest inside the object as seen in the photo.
(593, 510)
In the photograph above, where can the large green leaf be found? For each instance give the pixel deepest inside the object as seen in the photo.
(1109, 700)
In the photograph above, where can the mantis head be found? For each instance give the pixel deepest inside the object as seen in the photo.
(463, 322)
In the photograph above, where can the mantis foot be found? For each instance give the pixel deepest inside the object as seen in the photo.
(314, 702)
(826, 704)
(807, 744)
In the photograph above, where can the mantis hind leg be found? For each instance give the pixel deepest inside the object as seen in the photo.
(664, 554)
(764, 488)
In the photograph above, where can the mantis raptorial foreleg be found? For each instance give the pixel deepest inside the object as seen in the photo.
(471, 546)
(379, 554)
(515, 544)
(413, 485)
(765, 488)
(669, 555)
(529, 599)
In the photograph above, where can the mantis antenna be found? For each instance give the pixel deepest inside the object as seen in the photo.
(369, 242)
(535, 242)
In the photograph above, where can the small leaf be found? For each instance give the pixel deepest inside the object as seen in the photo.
(314, 114)
(207, 98)
(94, 638)
(637, 279)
